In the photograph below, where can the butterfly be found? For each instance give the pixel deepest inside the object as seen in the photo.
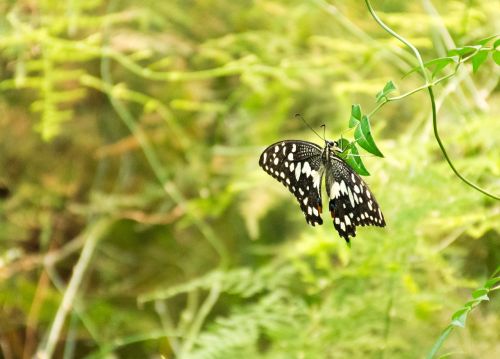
(301, 165)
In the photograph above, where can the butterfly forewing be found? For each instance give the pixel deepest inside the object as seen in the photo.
(300, 166)
(297, 164)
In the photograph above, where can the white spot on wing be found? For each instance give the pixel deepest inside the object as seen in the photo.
(297, 171)
(342, 187)
(301, 191)
(350, 197)
(356, 188)
(276, 160)
(316, 179)
(370, 205)
(305, 200)
(337, 220)
(353, 177)
(309, 210)
(276, 148)
(342, 225)
(335, 190)
(290, 156)
(315, 211)
(292, 166)
(347, 220)
(294, 147)
(306, 168)
(264, 158)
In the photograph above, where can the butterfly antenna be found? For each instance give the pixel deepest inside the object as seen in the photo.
(308, 125)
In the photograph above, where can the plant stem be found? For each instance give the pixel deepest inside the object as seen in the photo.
(443, 150)
(427, 85)
(46, 350)
(400, 38)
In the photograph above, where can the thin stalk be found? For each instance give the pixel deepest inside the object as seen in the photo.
(427, 85)
(400, 38)
(445, 154)
(46, 349)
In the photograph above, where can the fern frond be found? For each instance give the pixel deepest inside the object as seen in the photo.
(239, 334)
(241, 281)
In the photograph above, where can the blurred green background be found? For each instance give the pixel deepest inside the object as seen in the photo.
(135, 221)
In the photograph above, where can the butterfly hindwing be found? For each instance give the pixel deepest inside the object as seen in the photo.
(297, 164)
(300, 166)
(351, 201)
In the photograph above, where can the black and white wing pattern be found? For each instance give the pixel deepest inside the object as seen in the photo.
(297, 164)
(351, 201)
(300, 166)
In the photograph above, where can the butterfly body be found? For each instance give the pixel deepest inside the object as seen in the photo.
(301, 166)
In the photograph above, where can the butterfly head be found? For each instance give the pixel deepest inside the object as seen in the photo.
(333, 145)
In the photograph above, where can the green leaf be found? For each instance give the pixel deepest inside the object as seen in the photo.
(441, 63)
(355, 115)
(461, 51)
(486, 40)
(481, 293)
(491, 282)
(474, 303)
(496, 44)
(355, 161)
(344, 144)
(478, 59)
(459, 317)
(496, 56)
(350, 154)
(363, 136)
(439, 342)
(388, 88)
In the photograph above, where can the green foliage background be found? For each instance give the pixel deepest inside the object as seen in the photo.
(130, 134)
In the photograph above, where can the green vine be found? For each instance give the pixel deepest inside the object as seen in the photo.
(478, 56)
(428, 85)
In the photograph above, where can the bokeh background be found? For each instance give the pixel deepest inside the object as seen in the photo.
(135, 221)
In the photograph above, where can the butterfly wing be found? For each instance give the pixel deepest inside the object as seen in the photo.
(297, 164)
(351, 201)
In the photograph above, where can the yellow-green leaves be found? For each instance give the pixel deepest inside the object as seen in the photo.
(478, 59)
(355, 116)
(350, 154)
(459, 318)
(361, 124)
(362, 136)
(388, 88)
